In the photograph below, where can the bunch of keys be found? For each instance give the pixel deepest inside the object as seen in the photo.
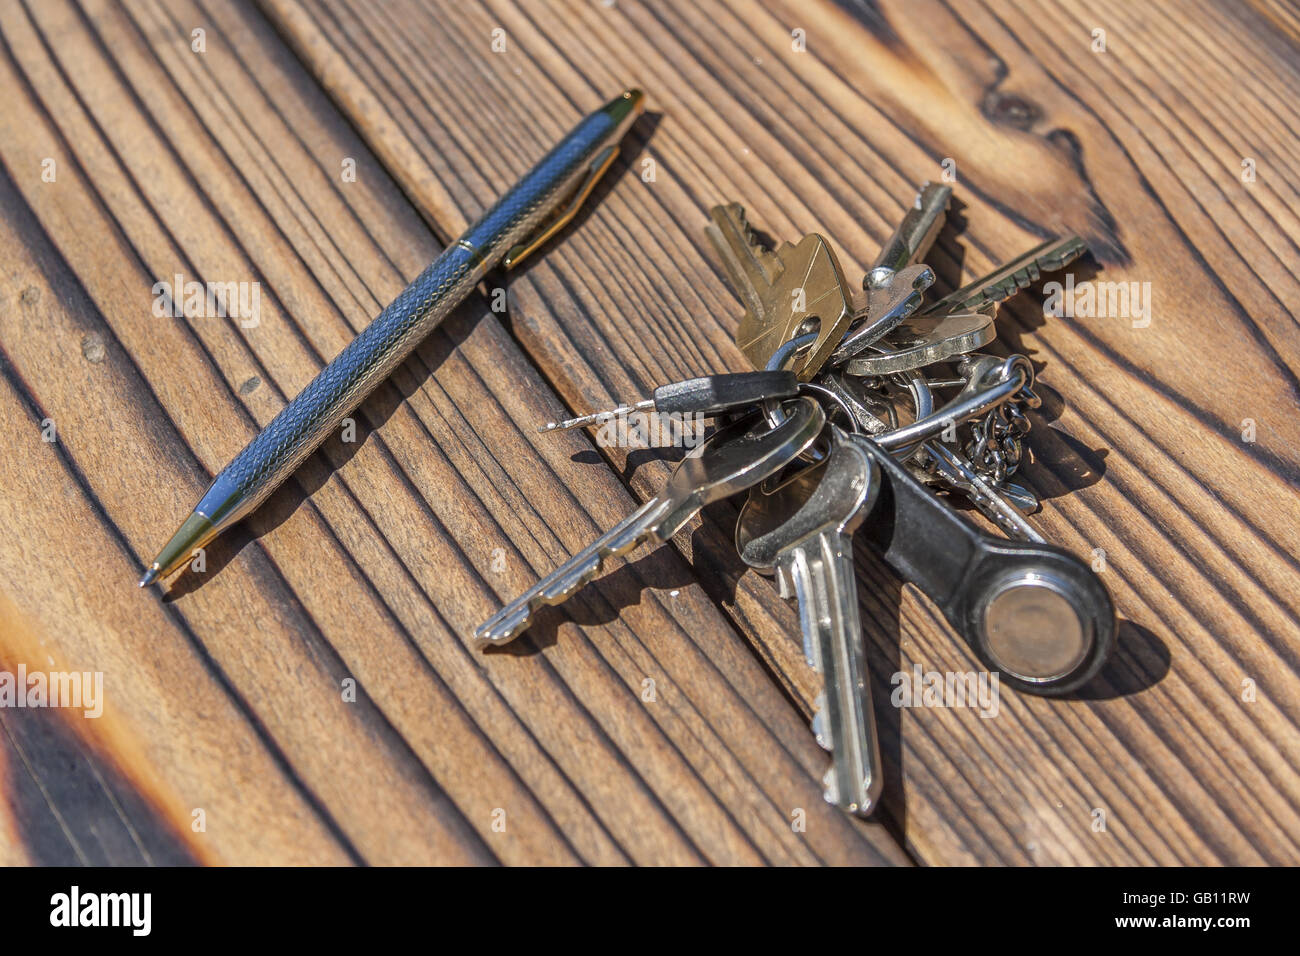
(867, 411)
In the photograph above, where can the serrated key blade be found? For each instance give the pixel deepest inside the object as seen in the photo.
(1008, 279)
(734, 458)
(804, 531)
(751, 269)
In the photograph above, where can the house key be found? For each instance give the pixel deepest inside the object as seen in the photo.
(1010, 277)
(897, 281)
(803, 531)
(782, 291)
(736, 457)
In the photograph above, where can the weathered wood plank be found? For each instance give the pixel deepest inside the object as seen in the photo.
(375, 563)
(1138, 148)
(64, 803)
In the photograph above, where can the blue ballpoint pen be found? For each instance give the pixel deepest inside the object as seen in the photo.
(535, 209)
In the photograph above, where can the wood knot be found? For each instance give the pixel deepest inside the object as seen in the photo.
(92, 347)
(1008, 109)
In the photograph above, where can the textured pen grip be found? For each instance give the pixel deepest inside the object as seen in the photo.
(306, 421)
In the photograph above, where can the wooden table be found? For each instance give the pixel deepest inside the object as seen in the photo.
(311, 697)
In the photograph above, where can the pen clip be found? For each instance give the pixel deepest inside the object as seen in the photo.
(599, 166)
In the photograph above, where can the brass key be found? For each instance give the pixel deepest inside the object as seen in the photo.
(782, 290)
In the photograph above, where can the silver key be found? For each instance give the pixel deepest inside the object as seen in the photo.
(1024, 500)
(923, 340)
(896, 282)
(1008, 279)
(887, 306)
(914, 236)
(955, 471)
(734, 459)
(804, 532)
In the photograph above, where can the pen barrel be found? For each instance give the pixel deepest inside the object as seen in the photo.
(308, 420)
(303, 424)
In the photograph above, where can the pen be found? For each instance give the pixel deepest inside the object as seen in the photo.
(536, 208)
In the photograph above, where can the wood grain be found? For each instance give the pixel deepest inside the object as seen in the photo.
(375, 563)
(1139, 451)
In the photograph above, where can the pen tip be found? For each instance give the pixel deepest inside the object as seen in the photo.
(150, 576)
(624, 109)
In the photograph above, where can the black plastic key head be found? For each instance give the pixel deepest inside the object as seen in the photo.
(1034, 612)
(712, 394)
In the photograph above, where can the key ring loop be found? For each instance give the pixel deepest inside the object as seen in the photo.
(1016, 372)
(775, 414)
(772, 408)
(957, 410)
